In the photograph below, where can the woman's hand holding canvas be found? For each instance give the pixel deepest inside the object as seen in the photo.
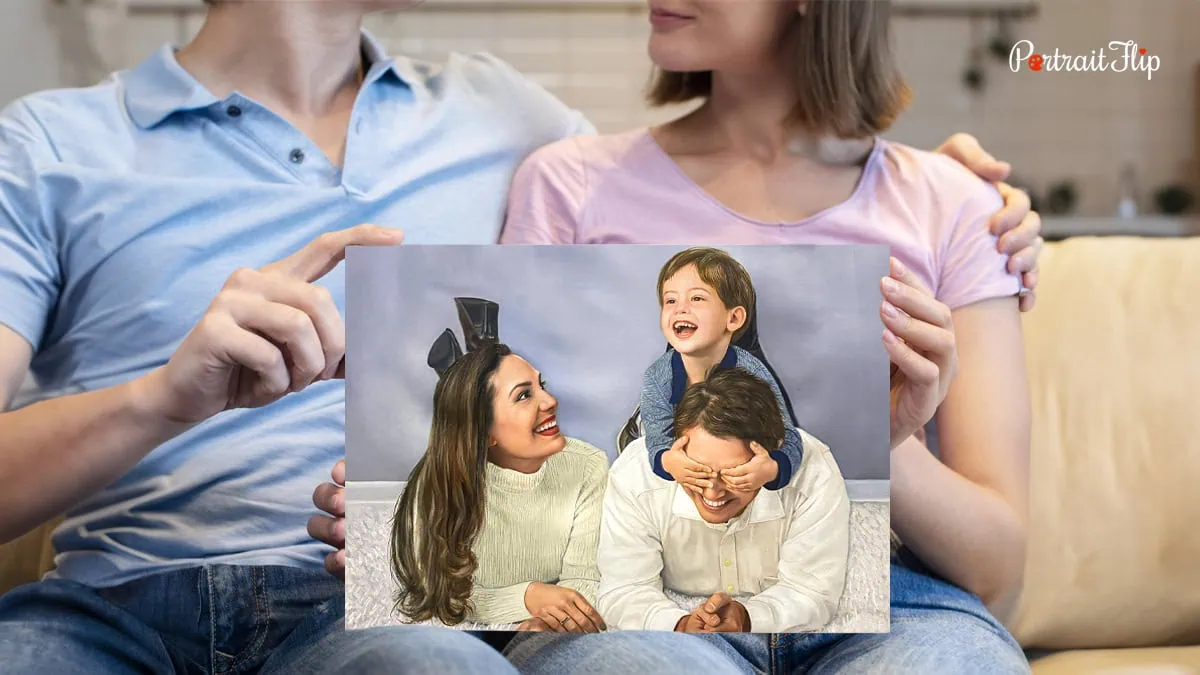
(919, 337)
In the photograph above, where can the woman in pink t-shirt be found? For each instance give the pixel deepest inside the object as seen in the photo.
(785, 149)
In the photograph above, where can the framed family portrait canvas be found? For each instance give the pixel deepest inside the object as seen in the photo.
(598, 438)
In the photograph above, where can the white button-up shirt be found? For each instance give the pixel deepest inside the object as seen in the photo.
(784, 558)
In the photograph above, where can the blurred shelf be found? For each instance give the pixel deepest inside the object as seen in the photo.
(921, 8)
(1061, 227)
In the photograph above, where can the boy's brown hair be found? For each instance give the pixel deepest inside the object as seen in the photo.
(732, 403)
(720, 270)
(846, 79)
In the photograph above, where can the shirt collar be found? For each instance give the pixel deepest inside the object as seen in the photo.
(159, 87)
(766, 505)
(679, 379)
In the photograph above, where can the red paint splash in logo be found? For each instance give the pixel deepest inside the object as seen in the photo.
(1035, 62)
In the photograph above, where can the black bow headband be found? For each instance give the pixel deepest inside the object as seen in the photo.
(480, 321)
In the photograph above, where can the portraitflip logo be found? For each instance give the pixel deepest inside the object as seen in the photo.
(1120, 57)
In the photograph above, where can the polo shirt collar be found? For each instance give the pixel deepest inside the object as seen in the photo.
(159, 87)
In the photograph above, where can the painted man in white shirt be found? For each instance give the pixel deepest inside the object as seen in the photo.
(767, 561)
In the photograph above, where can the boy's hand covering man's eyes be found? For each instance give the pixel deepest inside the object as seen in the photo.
(689, 473)
(760, 470)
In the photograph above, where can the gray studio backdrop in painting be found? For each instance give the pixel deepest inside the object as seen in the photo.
(588, 318)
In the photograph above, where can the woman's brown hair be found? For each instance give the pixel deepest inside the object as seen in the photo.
(846, 79)
(441, 509)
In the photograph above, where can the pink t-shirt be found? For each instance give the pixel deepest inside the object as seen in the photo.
(624, 189)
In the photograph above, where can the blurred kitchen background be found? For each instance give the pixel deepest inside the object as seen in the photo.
(1100, 152)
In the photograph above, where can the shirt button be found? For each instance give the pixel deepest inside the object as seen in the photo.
(729, 588)
(728, 562)
(297, 156)
(234, 111)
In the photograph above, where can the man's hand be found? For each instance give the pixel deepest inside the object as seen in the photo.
(331, 529)
(689, 473)
(748, 477)
(1018, 227)
(719, 614)
(563, 609)
(269, 332)
(692, 623)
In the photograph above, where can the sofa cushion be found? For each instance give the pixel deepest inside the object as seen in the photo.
(1160, 661)
(1113, 352)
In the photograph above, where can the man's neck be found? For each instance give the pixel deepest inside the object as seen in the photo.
(699, 365)
(301, 59)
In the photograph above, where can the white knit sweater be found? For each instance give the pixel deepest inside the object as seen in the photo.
(543, 526)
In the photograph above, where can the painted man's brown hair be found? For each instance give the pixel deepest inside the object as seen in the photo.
(732, 403)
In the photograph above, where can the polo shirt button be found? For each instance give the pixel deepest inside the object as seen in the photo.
(728, 562)
(297, 156)
(729, 588)
(234, 111)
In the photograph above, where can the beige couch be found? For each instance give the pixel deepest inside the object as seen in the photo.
(1113, 573)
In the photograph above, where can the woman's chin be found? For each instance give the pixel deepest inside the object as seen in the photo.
(674, 58)
(552, 444)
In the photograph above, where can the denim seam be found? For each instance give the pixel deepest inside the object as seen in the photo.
(262, 614)
(212, 622)
(773, 655)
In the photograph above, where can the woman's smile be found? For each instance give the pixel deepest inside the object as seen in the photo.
(663, 19)
(548, 427)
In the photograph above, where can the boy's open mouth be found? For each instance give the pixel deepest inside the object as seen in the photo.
(714, 506)
(548, 427)
(683, 329)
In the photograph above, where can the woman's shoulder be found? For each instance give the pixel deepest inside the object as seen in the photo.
(592, 153)
(583, 455)
(949, 207)
(926, 174)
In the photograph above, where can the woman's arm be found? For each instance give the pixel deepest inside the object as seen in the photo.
(505, 604)
(580, 571)
(966, 516)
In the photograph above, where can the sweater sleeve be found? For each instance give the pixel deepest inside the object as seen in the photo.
(788, 455)
(579, 568)
(505, 604)
(658, 416)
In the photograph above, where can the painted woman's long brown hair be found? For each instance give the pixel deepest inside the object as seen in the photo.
(441, 509)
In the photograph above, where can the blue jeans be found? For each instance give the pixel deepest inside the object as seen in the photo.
(219, 619)
(935, 628)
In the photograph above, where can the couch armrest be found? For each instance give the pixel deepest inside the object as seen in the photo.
(27, 558)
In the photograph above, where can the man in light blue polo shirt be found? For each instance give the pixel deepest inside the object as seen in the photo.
(169, 249)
